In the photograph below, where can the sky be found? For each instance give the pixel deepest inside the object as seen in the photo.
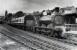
(33, 5)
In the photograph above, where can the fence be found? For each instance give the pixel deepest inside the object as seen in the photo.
(72, 27)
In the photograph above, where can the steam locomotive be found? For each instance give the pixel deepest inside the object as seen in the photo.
(59, 26)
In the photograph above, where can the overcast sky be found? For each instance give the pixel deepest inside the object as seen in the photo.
(33, 5)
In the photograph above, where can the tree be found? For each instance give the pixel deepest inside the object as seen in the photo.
(8, 16)
(56, 9)
(19, 14)
(6, 12)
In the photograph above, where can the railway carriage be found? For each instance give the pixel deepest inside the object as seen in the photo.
(17, 22)
(30, 22)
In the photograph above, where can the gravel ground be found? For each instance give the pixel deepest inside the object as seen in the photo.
(8, 44)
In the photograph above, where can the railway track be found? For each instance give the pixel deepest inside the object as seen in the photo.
(17, 40)
(68, 41)
(21, 40)
(34, 42)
